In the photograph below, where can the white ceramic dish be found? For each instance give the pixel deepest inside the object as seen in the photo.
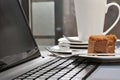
(83, 53)
(76, 40)
(57, 49)
(117, 55)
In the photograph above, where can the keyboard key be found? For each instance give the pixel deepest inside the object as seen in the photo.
(59, 69)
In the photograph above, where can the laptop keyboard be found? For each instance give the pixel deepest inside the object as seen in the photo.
(61, 69)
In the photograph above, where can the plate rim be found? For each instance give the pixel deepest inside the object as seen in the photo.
(49, 48)
(66, 41)
(116, 56)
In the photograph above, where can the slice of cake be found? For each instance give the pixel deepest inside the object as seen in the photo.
(102, 45)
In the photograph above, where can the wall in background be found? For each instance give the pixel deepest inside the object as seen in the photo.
(65, 21)
(43, 22)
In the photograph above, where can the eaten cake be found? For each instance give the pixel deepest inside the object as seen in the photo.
(102, 44)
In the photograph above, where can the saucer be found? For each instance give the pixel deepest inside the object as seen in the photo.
(76, 41)
(57, 49)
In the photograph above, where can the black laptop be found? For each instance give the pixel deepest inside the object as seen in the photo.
(20, 57)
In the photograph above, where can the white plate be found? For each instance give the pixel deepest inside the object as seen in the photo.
(57, 49)
(84, 53)
(76, 39)
(115, 58)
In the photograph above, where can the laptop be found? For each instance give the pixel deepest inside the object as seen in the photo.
(20, 57)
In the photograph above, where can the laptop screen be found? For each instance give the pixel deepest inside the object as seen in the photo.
(17, 44)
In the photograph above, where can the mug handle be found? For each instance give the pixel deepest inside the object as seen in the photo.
(113, 25)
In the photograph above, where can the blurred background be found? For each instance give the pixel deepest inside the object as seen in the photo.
(50, 19)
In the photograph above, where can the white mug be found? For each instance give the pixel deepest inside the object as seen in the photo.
(90, 15)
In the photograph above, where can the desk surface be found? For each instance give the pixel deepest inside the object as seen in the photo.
(106, 71)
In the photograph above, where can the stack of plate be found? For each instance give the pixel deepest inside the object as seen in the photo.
(79, 48)
(70, 48)
(74, 45)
